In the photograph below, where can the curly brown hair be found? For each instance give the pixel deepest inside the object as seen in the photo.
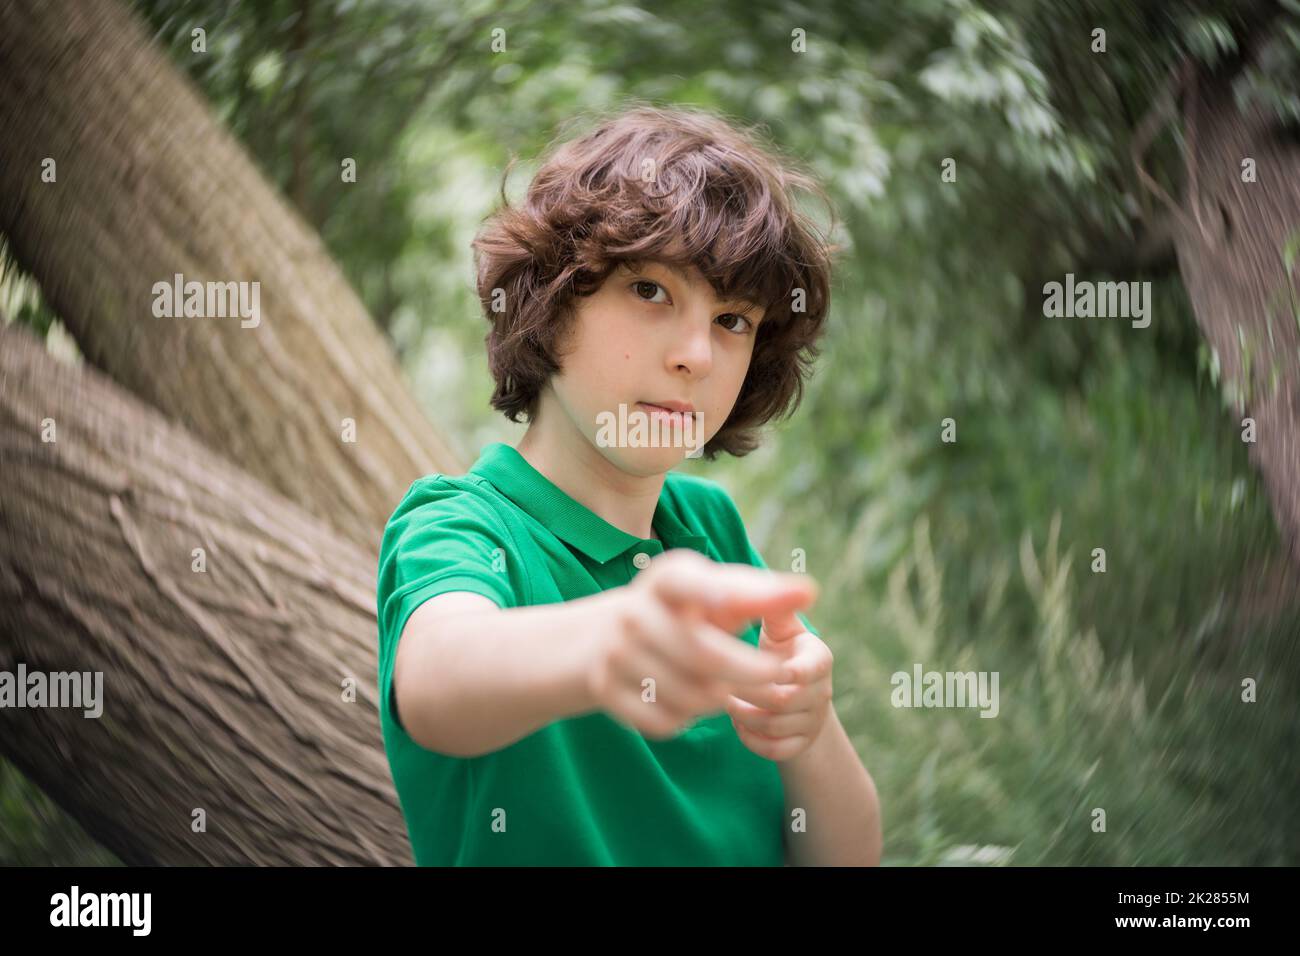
(678, 185)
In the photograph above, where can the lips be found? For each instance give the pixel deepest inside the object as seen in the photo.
(683, 408)
(659, 411)
(675, 418)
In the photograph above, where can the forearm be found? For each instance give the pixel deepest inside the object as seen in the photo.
(482, 680)
(841, 807)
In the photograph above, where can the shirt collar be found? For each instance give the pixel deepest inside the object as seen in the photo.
(571, 521)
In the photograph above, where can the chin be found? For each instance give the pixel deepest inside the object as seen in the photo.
(645, 462)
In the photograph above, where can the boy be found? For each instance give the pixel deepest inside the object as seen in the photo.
(560, 678)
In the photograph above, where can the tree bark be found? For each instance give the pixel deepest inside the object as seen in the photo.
(223, 689)
(149, 185)
(1229, 237)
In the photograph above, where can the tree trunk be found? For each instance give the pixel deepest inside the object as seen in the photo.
(1230, 236)
(148, 185)
(223, 689)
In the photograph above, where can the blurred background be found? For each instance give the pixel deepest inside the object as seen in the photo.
(1072, 151)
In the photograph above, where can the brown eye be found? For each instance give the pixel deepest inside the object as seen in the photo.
(642, 284)
(748, 326)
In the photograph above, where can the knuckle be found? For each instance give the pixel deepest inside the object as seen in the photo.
(650, 579)
(675, 562)
(599, 682)
(692, 644)
(617, 655)
(717, 693)
(630, 613)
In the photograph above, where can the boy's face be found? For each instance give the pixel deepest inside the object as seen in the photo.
(651, 334)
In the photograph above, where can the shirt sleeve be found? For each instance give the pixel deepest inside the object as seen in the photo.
(440, 538)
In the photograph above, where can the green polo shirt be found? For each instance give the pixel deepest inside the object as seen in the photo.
(585, 790)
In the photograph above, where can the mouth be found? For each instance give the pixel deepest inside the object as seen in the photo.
(674, 412)
(685, 408)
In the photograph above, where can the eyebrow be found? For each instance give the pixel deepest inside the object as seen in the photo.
(747, 304)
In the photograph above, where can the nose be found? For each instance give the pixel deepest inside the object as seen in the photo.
(692, 347)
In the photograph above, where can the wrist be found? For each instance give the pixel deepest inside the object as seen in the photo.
(595, 616)
(823, 741)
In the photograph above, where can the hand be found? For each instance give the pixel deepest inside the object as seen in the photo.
(674, 624)
(780, 721)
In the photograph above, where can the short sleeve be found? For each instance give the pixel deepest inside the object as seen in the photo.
(442, 537)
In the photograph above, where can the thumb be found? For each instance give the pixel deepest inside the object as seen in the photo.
(782, 625)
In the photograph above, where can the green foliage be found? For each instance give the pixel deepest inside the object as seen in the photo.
(35, 832)
(1273, 81)
(20, 298)
(1078, 729)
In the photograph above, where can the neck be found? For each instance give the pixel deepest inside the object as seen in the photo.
(570, 462)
